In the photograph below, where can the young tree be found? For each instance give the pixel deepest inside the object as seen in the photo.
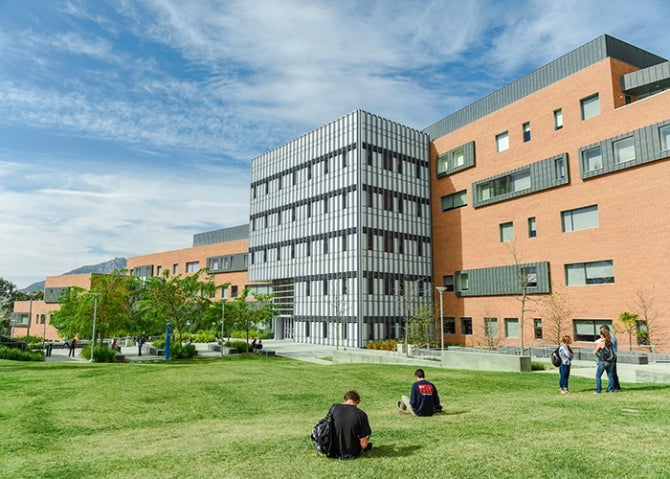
(421, 326)
(176, 300)
(629, 321)
(644, 305)
(337, 300)
(525, 276)
(247, 313)
(557, 313)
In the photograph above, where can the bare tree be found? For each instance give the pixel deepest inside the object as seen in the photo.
(643, 305)
(491, 335)
(338, 301)
(526, 276)
(557, 313)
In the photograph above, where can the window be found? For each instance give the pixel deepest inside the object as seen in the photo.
(175, 268)
(454, 200)
(596, 272)
(459, 157)
(307, 327)
(369, 156)
(559, 166)
(450, 325)
(278, 217)
(491, 327)
(344, 243)
(159, 270)
(589, 329)
(308, 288)
(511, 327)
(532, 227)
(278, 253)
(325, 205)
(369, 199)
(624, 150)
(590, 106)
(463, 283)
(593, 159)
(506, 232)
(345, 290)
(309, 210)
(192, 266)
(326, 246)
(324, 329)
(325, 287)
(442, 164)
(344, 200)
(448, 282)
(580, 218)
(504, 185)
(665, 137)
(233, 291)
(370, 240)
(388, 242)
(371, 285)
(224, 292)
(466, 326)
(526, 132)
(529, 275)
(325, 166)
(502, 142)
(537, 327)
(292, 251)
(280, 182)
(558, 119)
(309, 248)
(418, 208)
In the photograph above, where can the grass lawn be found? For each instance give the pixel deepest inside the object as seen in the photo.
(251, 416)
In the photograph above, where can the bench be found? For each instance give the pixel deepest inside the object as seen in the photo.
(264, 352)
(156, 351)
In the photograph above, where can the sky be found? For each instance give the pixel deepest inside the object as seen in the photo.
(127, 126)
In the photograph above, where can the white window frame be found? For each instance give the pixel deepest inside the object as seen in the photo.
(664, 133)
(593, 159)
(507, 232)
(590, 106)
(624, 150)
(580, 219)
(502, 141)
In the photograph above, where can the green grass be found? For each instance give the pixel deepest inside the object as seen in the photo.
(251, 416)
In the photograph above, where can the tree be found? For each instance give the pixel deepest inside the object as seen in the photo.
(420, 330)
(557, 312)
(629, 321)
(246, 313)
(525, 275)
(338, 302)
(176, 300)
(8, 296)
(109, 300)
(644, 305)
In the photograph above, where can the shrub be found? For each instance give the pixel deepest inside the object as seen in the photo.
(101, 354)
(241, 346)
(182, 351)
(383, 345)
(15, 354)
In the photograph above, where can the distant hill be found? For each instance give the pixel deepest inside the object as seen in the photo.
(106, 267)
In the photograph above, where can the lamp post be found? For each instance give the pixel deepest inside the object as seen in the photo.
(441, 290)
(223, 319)
(95, 316)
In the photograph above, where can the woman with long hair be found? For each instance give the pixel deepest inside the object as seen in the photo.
(604, 351)
(565, 352)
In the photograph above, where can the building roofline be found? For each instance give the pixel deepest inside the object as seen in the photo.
(578, 59)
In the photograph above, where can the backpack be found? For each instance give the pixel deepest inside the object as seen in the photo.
(607, 354)
(323, 435)
(556, 358)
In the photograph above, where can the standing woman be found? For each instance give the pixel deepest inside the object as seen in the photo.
(565, 352)
(604, 352)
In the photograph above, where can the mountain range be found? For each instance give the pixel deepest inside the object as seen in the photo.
(104, 267)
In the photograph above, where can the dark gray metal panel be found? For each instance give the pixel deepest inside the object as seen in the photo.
(592, 52)
(647, 81)
(224, 235)
(504, 280)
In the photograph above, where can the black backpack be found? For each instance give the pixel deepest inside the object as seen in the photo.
(607, 354)
(323, 435)
(556, 358)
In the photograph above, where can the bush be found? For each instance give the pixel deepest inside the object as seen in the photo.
(241, 346)
(15, 354)
(101, 354)
(182, 351)
(383, 345)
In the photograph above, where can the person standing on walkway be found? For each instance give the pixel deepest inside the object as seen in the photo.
(72, 345)
(604, 351)
(140, 342)
(423, 400)
(565, 353)
(352, 428)
(615, 345)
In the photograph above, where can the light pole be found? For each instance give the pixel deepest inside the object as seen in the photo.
(223, 319)
(441, 290)
(95, 315)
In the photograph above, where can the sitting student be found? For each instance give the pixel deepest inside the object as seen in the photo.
(352, 428)
(424, 400)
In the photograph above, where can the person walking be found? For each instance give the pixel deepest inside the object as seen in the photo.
(424, 399)
(352, 428)
(140, 342)
(566, 355)
(604, 351)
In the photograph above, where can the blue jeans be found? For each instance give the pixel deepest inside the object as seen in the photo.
(609, 368)
(564, 375)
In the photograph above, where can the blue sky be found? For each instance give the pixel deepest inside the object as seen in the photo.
(127, 126)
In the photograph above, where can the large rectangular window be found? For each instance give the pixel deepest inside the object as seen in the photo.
(511, 327)
(589, 329)
(532, 227)
(450, 325)
(192, 266)
(502, 142)
(454, 200)
(491, 327)
(592, 159)
(466, 326)
(537, 327)
(580, 218)
(505, 184)
(526, 132)
(624, 150)
(590, 106)
(596, 272)
(507, 232)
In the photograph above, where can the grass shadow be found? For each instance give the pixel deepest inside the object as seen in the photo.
(390, 450)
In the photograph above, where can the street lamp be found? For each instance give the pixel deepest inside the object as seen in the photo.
(223, 318)
(441, 290)
(95, 315)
